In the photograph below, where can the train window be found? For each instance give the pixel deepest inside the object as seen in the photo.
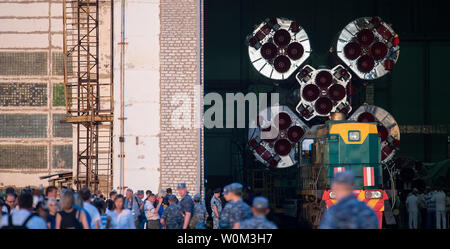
(307, 148)
(307, 144)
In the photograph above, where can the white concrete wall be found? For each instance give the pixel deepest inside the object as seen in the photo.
(142, 94)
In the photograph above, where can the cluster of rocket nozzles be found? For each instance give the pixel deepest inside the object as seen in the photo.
(367, 47)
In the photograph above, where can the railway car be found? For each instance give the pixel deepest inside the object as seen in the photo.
(336, 146)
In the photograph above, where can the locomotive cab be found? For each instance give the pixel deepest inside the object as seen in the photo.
(339, 146)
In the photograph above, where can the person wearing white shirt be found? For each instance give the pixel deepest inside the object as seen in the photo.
(21, 217)
(121, 218)
(412, 204)
(440, 198)
(151, 213)
(91, 209)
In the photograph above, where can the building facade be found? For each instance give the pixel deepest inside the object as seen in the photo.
(33, 141)
(161, 64)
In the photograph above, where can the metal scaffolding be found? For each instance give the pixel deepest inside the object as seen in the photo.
(88, 98)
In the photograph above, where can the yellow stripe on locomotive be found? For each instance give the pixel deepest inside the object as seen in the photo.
(353, 133)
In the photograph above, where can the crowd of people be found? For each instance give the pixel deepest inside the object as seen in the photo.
(85, 210)
(428, 209)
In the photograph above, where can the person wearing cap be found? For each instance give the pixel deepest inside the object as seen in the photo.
(226, 211)
(216, 208)
(171, 217)
(142, 220)
(260, 208)
(236, 209)
(186, 204)
(412, 206)
(226, 193)
(225, 214)
(168, 192)
(200, 214)
(348, 212)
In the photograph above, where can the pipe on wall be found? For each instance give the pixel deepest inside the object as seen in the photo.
(201, 172)
(122, 96)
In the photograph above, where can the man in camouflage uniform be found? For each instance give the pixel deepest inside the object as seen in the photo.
(186, 205)
(198, 220)
(216, 208)
(260, 208)
(226, 214)
(226, 211)
(171, 217)
(348, 212)
(236, 209)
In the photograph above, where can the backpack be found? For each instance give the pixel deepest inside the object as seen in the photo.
(23, 226)
(73, 218)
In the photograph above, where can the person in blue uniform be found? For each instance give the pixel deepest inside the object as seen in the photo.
(171, 217)
(216, 208)
(186, 204)
(260, 208)
(348, 212)
(198, 220)
(236, 209)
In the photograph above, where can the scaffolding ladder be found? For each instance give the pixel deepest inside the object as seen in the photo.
(88, 99)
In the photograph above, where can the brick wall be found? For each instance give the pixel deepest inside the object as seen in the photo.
(181, 148)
